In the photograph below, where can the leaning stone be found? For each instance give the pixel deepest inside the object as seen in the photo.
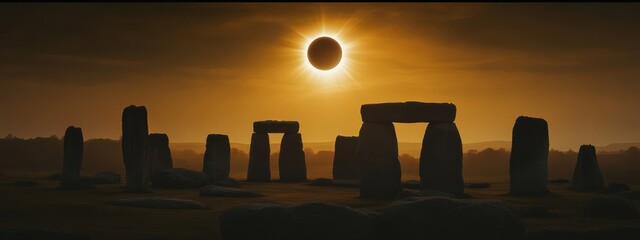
(179, 178)
(160, 203)
(306, 221)
(259, 153)
(378, 156)
(21, 233)
(158, 154)
(217, 157)
(292, 165)
(587, 175)
(529, 153)
(441, 159)
(106, 178)
(615, 188)
(272, 126)
(73, 149)
(561, 233)
(446, 218)
(218, 191)
(345, 164)
(408, 112)
(134, 136)
(612, 207)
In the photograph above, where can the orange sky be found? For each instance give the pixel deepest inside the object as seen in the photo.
(215, 68)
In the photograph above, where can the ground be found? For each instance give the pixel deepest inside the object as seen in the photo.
(90, 211)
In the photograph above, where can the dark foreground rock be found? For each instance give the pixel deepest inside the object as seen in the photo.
(40, 234)
(227, 182)
(178, 178)
(613, 207)
(307, 221)
(159, 203)
(106, 178)
(615, 188)
(533, 211)
(218, 191)
(24, 183)
(608, 233)
(631, 195)
(446, 218)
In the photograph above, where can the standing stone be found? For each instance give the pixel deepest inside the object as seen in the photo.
(345, 164)
(529, 153)
(259, 153)
(158, 155)
(73, 149)
(217, 157)
(134, 136)
(587, 175)
(441, 159)
(292, 163)
(377, 154)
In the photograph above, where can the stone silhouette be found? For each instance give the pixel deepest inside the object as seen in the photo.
(134, 136)
(73, 149)
(529, 153)
(441, 159)
(158, 154)
(217, 157)
(259, 152)
(271, 126)
(345, 164)
(377, 153)
(587, 175)
(408, 112)
(292, 163)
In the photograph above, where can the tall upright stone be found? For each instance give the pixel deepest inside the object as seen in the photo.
(134, 136)
(158, 155)
(259, 153)
(587, 175)
(72, 160)
(292, 164)
(529, 154)
(377, 153)
(345, 163)
(217, 157)
(441, 158)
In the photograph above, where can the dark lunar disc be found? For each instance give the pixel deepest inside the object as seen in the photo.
(324, 53)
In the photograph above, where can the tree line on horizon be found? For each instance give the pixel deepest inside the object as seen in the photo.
(44, 155)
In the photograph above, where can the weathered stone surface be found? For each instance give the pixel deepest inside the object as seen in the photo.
(160, 203)
(73, 149)
(292, 164)
(615, 188)
(158, 154)
(259, 153)
(441, 159)
(134, 137)
(272, 126)
(587, 175)
(408, 112)
(178, 178)
(529, 154)
(377, 154)
(106, 178)
(40, 234)
(608, 233)
(219, 191)
(312, 221)
(614, 207)
(217, 157)
(446, 218)
(345, 163)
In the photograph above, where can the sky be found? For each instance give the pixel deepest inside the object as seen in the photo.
(203, 68)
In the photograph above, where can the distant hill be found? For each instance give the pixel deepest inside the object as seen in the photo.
(614, 147)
